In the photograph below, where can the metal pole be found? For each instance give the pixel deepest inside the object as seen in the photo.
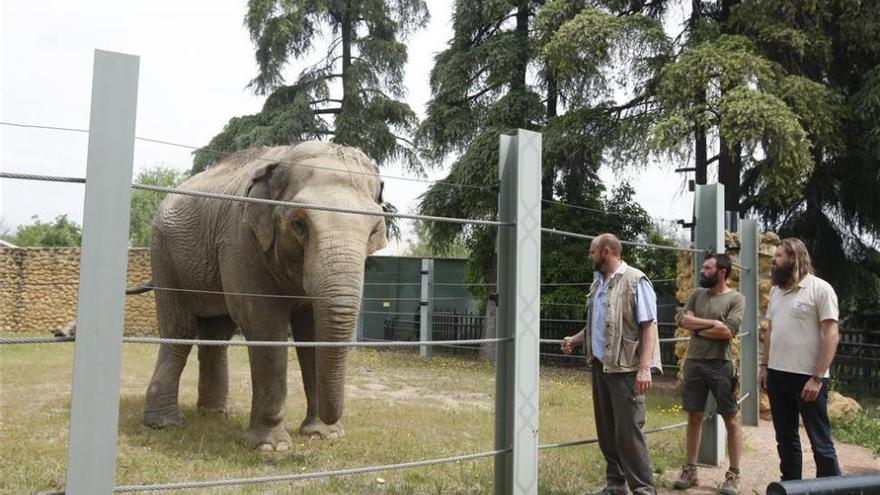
(519, 276)
(862, 484)
(709, 236)
(426, 307)
(358, 334)
(748, 285)
(94, 409)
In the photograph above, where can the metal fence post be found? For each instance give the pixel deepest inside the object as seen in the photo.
(358, 334)
(94, 409)
(709, 237)
(748, 283)
(519, 275)
(426, 307)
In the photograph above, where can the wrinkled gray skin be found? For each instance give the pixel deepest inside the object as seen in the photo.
(217, 245)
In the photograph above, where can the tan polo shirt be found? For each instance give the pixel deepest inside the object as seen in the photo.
(796, 315)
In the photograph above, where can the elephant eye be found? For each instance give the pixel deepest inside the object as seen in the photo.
(299, 225)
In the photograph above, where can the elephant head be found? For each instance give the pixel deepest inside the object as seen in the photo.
(323, 253)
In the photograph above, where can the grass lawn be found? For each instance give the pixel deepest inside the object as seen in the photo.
(398, 408)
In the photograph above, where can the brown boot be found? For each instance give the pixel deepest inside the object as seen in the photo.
(687, 478)
(731, 484)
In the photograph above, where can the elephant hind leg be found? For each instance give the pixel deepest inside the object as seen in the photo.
(161, 404)
(213, 366)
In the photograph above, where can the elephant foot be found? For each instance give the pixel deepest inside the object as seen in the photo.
(314, 426)
(160, 419)
(269, 440)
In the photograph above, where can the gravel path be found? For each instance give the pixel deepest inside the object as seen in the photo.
(760, 464)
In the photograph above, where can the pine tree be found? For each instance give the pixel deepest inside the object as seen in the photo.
(509, 66)
(353, 95)
(829, 55)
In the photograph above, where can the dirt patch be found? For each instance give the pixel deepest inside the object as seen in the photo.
(760, 464)
(403, 394)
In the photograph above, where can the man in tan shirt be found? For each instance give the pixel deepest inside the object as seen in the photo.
(799, 347)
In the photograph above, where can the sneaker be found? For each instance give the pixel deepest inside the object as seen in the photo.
(731, 484)
(687, 478)
(612, 490)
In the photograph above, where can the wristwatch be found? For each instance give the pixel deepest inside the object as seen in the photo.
(816, 379)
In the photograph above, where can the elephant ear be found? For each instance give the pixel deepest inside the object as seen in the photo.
(259, 217)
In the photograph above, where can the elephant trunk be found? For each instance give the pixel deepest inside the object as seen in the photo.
(336, 315)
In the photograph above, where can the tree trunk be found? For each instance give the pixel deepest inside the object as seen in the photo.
(729, 173)
(701, 160)
(701, 157)
(549, 173)
(517, 84)
(346, 28)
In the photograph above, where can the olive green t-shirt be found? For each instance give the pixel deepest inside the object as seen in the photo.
(728, 308)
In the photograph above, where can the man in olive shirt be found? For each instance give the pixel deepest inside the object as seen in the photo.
(714, 314)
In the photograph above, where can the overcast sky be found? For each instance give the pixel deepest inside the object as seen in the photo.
(195, 60)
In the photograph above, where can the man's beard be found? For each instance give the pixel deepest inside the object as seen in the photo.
(708, 282)
(782, 275)
(598, 264)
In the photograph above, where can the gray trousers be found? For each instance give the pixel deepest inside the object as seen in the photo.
(620, 415)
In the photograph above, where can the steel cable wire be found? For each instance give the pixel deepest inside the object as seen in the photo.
(269, 202)
(268, 160)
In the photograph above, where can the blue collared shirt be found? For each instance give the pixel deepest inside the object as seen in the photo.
(646, 308)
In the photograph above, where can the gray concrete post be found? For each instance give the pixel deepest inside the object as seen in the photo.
(709, 237)
(519, 275)
(426, 307)
(94, 409)
(748, 283)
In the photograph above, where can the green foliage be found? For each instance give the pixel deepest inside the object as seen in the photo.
(825, 57)
(422, 248)
(353, 95)
(580, 48)
(61, 233)
(566, 260)
(481, 89)
(144, 204)
(751, 119)
(863, 430)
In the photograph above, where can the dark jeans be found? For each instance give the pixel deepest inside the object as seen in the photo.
(620, 415)
(784, 390)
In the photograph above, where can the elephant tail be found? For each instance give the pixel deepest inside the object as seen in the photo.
(139, 289)
(69, 330)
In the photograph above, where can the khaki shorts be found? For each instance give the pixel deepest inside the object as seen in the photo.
(705, 376)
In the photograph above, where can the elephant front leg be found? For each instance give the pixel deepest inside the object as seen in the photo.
(269, 380)
(304, 331)
(160, 407)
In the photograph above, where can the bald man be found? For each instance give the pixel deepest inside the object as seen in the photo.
(622, 348)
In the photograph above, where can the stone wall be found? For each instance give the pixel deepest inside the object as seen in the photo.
(38, 290)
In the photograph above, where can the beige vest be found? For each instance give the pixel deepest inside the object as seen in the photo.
(623, 335)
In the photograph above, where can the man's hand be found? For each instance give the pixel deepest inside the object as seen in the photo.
(762, 378)
(567, 346)
(811, 390)
(643, 381)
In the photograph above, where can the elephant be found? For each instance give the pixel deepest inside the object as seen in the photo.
(312, 260)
